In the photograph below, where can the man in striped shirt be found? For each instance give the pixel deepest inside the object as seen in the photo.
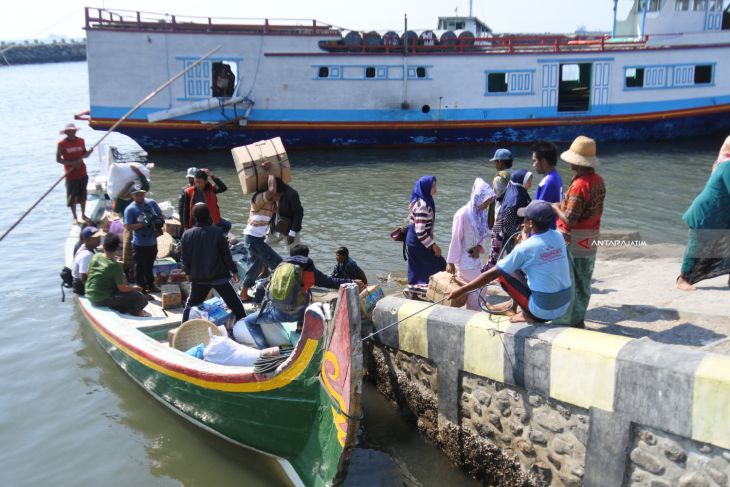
(263, 207)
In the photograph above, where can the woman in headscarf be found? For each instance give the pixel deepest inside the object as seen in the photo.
(708, 217)
(424, 255)
(469, 232)
(508, 222)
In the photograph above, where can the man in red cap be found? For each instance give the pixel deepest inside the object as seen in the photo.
(71, 153)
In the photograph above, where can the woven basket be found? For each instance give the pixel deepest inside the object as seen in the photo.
(192, 333)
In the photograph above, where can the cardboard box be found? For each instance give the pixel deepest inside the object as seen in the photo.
(173, 227)
(177, 276)
(249, 160)
(171, 296)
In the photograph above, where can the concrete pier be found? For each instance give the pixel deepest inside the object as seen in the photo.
(641, 398)
(36, 53)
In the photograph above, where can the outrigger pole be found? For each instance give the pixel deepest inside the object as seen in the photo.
(111, 129)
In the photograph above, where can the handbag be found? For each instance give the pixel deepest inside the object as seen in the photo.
(399, 234)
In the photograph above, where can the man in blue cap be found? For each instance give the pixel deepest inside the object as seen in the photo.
(503, 164)
(536, 274)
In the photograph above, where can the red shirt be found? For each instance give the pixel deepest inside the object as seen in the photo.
(583, 204)
(72, 150)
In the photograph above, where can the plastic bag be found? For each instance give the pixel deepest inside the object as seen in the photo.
(224, 351)
(275, 333)
(120, 175)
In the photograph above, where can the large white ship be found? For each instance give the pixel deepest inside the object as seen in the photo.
(663, 72)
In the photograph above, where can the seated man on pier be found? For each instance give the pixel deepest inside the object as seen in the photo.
(536, 274)
(106, 285)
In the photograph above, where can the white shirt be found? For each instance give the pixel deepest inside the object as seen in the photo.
(81, 262)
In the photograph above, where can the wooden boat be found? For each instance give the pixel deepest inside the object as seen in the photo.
(305, 413)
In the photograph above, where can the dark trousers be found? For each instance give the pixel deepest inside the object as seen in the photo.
(131, 302)
(144, 260)
(199, 291)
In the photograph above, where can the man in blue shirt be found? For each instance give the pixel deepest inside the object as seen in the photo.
(544, 160)
(142, 217)
(536, 274)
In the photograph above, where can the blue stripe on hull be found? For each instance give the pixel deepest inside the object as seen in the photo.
(171, 139)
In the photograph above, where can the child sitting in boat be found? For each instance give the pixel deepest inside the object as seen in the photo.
(346, 268)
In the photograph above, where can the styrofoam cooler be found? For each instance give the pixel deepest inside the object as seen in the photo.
(215, 311)
(249, 159)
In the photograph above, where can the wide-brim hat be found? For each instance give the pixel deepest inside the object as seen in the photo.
(69, 126)
(582, 152)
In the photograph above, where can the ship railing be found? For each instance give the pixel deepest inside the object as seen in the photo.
(495, 44)
(134, 20)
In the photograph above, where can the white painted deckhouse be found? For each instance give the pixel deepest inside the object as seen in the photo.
(663, 72)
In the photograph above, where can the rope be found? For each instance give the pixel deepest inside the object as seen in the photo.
(110, 130)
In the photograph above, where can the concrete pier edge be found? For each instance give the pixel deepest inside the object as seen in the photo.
(626, 390)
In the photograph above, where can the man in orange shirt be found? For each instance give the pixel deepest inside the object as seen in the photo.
(579, 220)
(71, 153)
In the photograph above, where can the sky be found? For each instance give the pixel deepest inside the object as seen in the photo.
(41, 18)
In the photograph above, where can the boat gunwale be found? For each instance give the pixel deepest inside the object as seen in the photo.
(177, 362)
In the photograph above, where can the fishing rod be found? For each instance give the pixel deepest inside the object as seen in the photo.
(110, 130)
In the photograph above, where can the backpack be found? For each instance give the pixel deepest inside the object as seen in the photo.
(285, 288)
(67, 280)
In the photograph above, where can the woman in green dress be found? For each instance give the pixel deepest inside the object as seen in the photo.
(708, 217)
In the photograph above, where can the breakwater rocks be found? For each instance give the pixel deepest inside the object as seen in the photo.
(32, 53)
(518, 405)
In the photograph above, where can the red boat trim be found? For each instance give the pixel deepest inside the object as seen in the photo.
(103, 123)
(230, 382)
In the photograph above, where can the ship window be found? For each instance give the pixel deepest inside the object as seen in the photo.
(703, 74)
(324, 72)
(460, 25)
(497, 83)
(425, 108)
(681, 5)
(420, 72)
(698, 5)
(370, 72)
(651, 5)
(715, 5)
(574, 87)
(635, 78)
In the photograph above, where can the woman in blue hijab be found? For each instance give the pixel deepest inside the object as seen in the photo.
(507, 223)
(424, 255)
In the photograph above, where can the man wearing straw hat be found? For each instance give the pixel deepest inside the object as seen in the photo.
(579, 220)
(71, 152)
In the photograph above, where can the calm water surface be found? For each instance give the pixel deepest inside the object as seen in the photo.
(68, 416)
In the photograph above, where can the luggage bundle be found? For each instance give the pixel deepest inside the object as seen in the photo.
(250, 158)
(441, 285)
